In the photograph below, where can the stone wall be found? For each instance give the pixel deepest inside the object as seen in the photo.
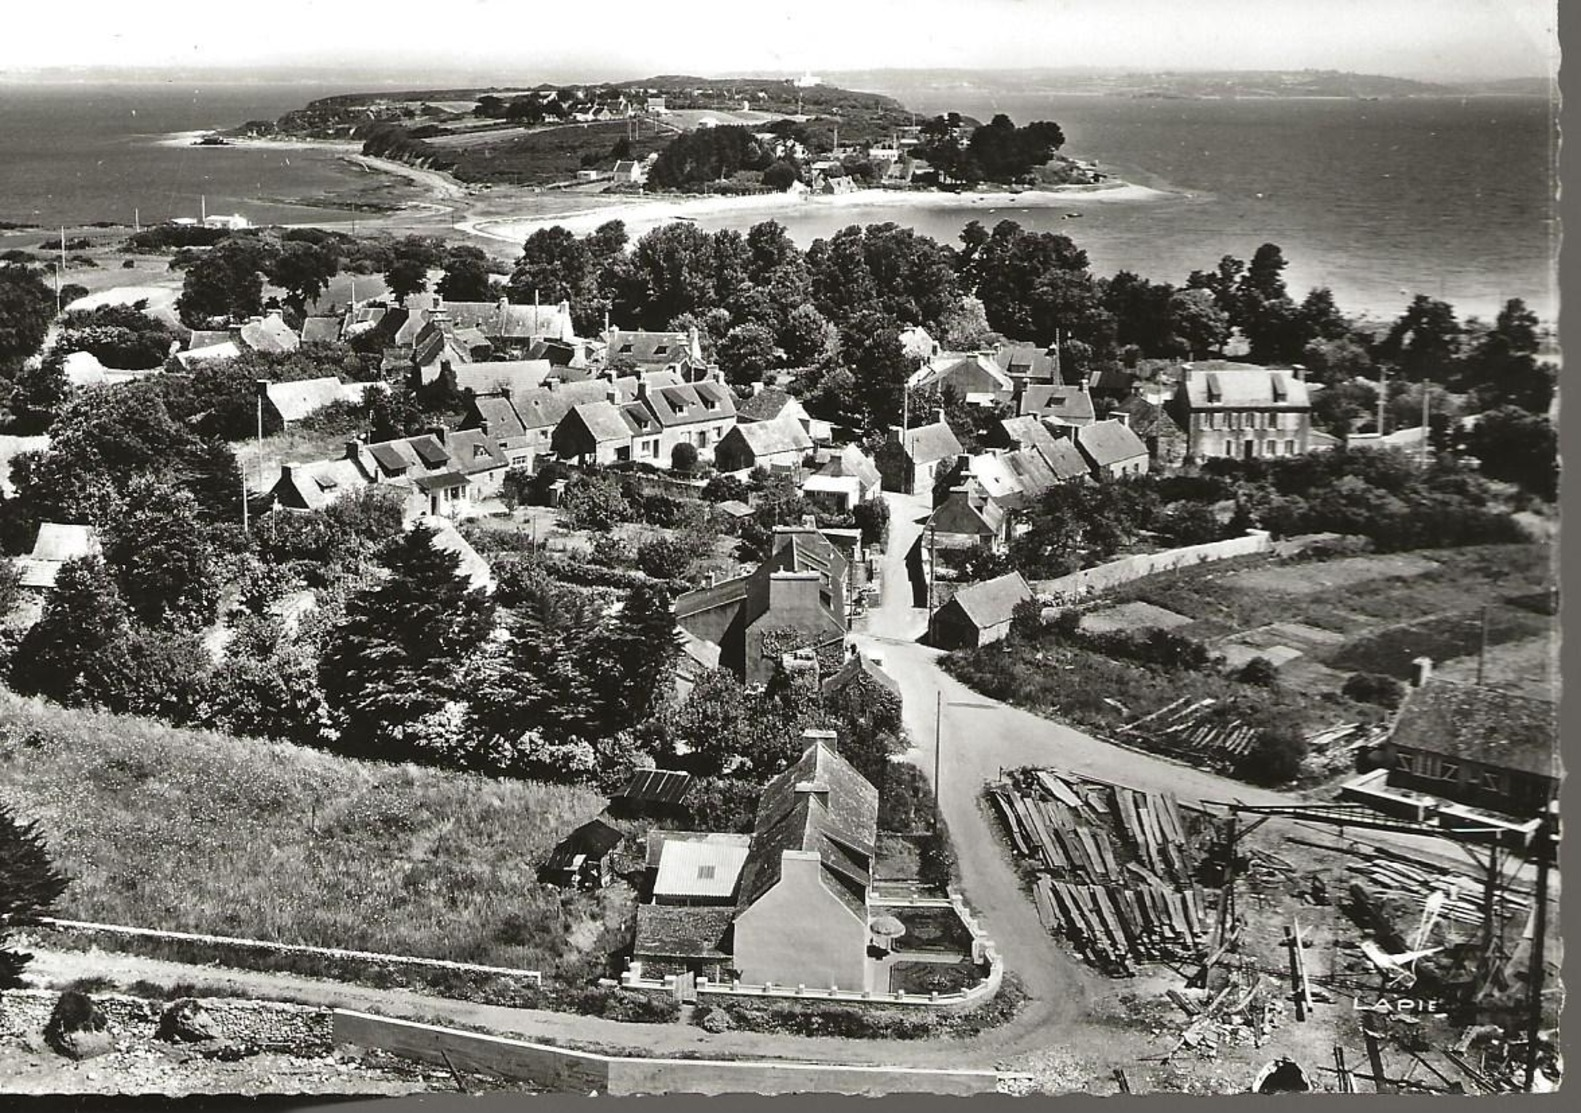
(266, 1025)
(1090, 581)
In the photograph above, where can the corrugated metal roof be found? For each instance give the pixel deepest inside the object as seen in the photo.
(660, 786)
(699, 869)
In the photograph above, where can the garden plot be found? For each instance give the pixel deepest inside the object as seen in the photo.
(1132, 616)
(1309, 578)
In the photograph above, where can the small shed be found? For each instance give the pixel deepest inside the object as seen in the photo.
(653, 793)
(582, 858)
(979, 614)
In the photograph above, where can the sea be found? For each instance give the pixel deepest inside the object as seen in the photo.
(1379, 200)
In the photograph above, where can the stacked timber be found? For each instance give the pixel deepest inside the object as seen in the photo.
(1193, 728)
(1113, 867)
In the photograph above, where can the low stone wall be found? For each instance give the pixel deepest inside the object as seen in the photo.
(567, 1071)
(222, 948)
(1090, 581)
(266, 1025)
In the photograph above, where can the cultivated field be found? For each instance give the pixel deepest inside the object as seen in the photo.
(195, 831)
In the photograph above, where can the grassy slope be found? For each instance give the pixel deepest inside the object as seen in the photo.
(195, 831)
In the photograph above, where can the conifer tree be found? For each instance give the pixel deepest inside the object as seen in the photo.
(29, 887)
(83, 617)
(396, 655)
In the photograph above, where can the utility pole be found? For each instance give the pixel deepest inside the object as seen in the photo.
(1544, 839)
(137, 220)
(930, 577)
(1383, 396)
(60, 269)
(262, 387)
(938, 748)
(1482, 653)
(1422, 455)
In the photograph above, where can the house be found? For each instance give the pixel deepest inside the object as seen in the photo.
(1242, 411)
(296, 400)
(502, 376)
(972, 376)
(780, 443)
(269, 334)
(524, 421)
(55, 545)
(193, 357)
(909, 460)
(1023, 432)
(1025, 364)
(652, 793)
(965, 519)
(1111, 449)
(507, 327)
(802, 914)
(1477, 746)
(798, 597)
(629, 172)
(836, 494)
(683, 939)
(1165, 440)
(980, 614)
(851, 462)
(443, 473)
(696, 413)
(84, 369)
(695, 867)
(916, 342)
(598, 433)
(770, 402)
(629, 349)
(582, 859)
(1058, 405)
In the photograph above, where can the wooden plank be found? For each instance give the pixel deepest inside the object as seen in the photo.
(1110, 865)
(1089, 849)
(1146, 874)
(1058, 789)
(1011, 826)
(1048, 915)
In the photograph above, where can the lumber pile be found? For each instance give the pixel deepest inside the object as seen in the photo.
(1114, 867)
(1240, 1015)
(1334, 748)
(1193, 728)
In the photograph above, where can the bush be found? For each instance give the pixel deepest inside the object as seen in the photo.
(725, 488)
(1370, 687)
(872, 518)
(1275, 757)
(715, 1021)
(664, 558)
(683, 458)
(1259, 671)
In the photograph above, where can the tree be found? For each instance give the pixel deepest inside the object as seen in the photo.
(1424, 343)
(303, 270)
(746, 352)
(26, 307)
(1276, 756)
(122, 336)
(466, 276)
(225, 283)
(683, 458)
(633, 656)
(62, 656)
(807, 337)
(396, 655)
(30, 884)
(781, 175)
(1197, 321)
(878, 362)
(411, 259)
(162, 559)
(964, 326)
(1518, 447)
(593, 502)
(1503, 369)
(38, 393)
(664, 558)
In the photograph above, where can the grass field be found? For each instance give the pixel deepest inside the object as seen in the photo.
(550, 154)
(194, 831)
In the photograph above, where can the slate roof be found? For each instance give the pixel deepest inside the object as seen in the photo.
(319, 482)
(1488, 725)
(993, 601)
(677, 931)
(508, 376)
(321, 330)
(1066, 460)
(269, 334)
(604, 421)
(1146, 419)
(773, 438)
(859, 665)
(496, 409)
(1219, 385)
(1027, 360)
(473, 451)
(226, 349)
(690, 403)
(1107, 443)
(504, 321)
(927, 443)
(947, 366)
(207, 338)
(649, 348)
(1032, 470)
(957, 515)
(1070, 405)
(659, 786)
(854, 462)
(1027, 431)
(839, 823)
(296, 400)
(765, 405)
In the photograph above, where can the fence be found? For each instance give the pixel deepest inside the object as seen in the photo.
(217, 942)
(566, 1071)
(1077, 585)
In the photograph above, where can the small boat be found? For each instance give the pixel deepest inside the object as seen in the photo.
(1071, 216)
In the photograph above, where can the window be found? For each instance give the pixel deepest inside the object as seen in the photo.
(1270, 448)
(1290, 448)
(705, 873)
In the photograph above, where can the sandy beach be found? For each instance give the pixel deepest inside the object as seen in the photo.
(645, 214)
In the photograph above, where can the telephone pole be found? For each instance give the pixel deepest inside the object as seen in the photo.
(1544, 838)
(938, 748)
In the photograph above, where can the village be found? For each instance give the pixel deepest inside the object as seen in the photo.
(703, 664)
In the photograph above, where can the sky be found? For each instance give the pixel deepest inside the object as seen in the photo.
(552, 39)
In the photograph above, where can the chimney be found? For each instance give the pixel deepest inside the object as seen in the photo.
(813, 737)
(551, 385)
(438, 432)
(758, 388)
(809, 521)
(1300, 372)
(612, 395)
(642, 389)
(483, 426)
(1424, 671)
(1081, 383)
(1121, 416)
(285, 473)
(940, 415)
(505, 304)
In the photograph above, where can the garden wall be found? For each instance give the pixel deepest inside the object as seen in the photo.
(1089, 581)
(566, 1071)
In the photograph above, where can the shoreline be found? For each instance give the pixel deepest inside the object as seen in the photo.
(642, 214)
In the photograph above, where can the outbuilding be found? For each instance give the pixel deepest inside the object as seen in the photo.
(980, 614)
